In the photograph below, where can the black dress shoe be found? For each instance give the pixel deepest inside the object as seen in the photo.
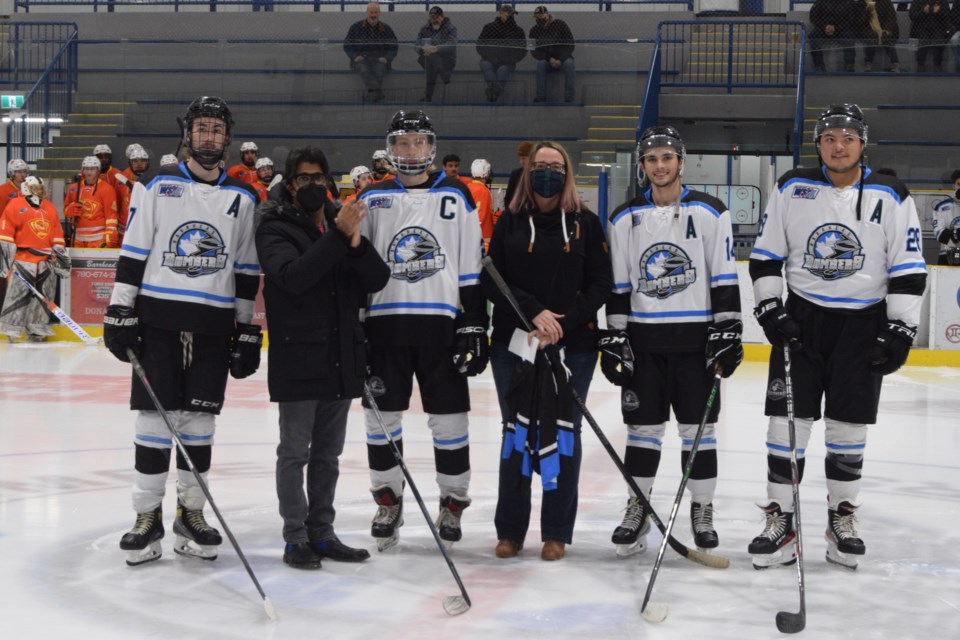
(300, 555)
(333, 549)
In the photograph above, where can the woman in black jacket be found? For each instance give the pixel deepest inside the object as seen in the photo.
(318, 271)
(551, 252)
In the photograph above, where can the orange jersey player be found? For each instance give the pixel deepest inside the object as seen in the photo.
(480, 170)
(31, 222)
(246, 170)
(17, 171)
(92, 203)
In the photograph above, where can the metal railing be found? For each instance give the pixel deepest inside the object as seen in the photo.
(43, 66)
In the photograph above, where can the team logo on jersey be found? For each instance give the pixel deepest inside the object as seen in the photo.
(630, 401)
(777, 389)
(381, 202)
(168, 190)
(665, 269)
(196, 249)
(636, 217)
(414, 254)
(376, 386)
(833, 252)
(40, 227)
(806, 193)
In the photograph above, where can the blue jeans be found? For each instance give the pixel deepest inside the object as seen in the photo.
(496, 75)
(372, 72)
(569, 76)
(558, 510)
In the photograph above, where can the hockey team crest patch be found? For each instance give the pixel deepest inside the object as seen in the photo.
(414, 254)
(196, 249)
(665, 269)
(777, 389)
(168, 190)
(833, 251)
(629, 401)
(805, 192)
(380, 202)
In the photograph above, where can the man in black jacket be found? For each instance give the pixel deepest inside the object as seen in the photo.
(553, 51)
(371, 46)
(836, 23)
(501, 45)
(318, 269)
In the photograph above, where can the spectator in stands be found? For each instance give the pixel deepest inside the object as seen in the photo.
(247, 169)
(882, 33)
(479, 186)
(371, 46)
(501, 45)
(553, 50)
(523, 156)
(836, 23)
(946, 224)
(930, 24)
(17, 171)
(436, 50)
(955, 38)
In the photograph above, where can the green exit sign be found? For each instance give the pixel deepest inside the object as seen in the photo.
(11, 102)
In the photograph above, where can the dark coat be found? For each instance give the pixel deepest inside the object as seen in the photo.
(367, 41)
(444, 38)
(849, 16)
(502, 43)
(552, 41)
(314, 287)
(929, 25)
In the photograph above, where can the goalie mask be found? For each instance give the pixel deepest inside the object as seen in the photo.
(657, 138)
(33, 190)
(209, 152)
(411, 142)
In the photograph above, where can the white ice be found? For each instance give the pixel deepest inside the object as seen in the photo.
(66, 459)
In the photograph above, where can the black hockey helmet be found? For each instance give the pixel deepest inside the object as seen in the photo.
(844, 115)
(661, 136)
(411, 162)
(207, 107)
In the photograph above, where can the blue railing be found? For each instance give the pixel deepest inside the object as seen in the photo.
(268, 5)
(43, 65)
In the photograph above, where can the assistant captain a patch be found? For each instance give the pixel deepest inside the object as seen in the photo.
(805, 192)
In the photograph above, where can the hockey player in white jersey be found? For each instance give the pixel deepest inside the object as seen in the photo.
(946, 225)
(848, 242)
(183, 301)
(429, 321)
(674, 316)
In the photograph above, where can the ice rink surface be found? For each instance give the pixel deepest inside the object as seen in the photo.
(66, 458)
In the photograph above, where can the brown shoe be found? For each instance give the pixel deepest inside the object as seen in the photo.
(508, 549)
(552, 550)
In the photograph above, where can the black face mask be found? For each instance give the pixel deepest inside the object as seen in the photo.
(311, 198)
(546, 183)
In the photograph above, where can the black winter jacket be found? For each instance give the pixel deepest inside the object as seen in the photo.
(370, 42)
(552, 41)
(502, 43)
(314, 287)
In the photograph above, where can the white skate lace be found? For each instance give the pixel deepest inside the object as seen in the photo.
(702, 517)
(143, 523)
(776, 525)
(386, 514)
(845, 527)
(633, 517)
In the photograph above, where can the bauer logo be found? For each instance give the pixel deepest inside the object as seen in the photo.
(382, 202)
(833, 252)
(414, 254)
(665, 269)
(805, 193)
(952, 334)
(776, 390)
(196, 249)
(170, 190)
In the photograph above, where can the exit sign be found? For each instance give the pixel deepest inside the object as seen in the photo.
(11, 102)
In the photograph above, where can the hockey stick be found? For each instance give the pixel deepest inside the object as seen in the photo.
(657, 611)
(138, 369)
(788, 622)
(56, 310)
(706, 559)
(453, 605)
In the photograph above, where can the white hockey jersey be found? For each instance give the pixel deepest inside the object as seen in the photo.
(188, 260)
(946, 216)
(674, 271)
(833, 259)
(430, 239)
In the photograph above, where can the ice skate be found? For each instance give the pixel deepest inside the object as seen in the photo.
(843, 542)
(701, 523)
(631, 536)
(775, 545)
(142, 542)
(389, 518)
(448, 522)
(195, 538)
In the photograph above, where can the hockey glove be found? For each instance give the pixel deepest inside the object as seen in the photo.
(892, 347)
(616, 356)
(777, 324)
(245, 350)
(73, 210)
(121, 331)
(59, 261)
(724, 346)
(472, 351)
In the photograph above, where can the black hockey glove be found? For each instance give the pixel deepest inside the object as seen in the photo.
(892, 347)
(245, 350)
(472, 351)
(616, 356)
(725, 346)
(777, 324)
(121, 331)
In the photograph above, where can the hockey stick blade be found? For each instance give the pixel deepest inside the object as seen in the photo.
(788, 622)
(655, 612)
(60, 314)
(455, 605)
(269, 608)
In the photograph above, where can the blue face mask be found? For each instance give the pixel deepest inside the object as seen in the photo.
(546, 183)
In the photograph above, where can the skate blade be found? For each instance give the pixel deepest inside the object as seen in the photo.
(190, 549)
(632, 549)
(448, 544)
(455, 605)
(387, 543)
(145, 555)
(655, 612)
(778, 559)
(845, 560)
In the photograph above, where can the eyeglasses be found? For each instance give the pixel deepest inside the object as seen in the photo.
(556, 167)
(303, 179)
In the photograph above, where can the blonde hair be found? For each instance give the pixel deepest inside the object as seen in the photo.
(569, 198)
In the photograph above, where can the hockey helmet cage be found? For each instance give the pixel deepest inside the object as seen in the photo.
(406, 123)
(262, 162)
(137, 153)
(168, 159)
(32, 186)
(16, 165)
(358, 171)
(101, 149)
(249, 146)
(207, 107)
(480, 168)
(841, 116)
(91, 162)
